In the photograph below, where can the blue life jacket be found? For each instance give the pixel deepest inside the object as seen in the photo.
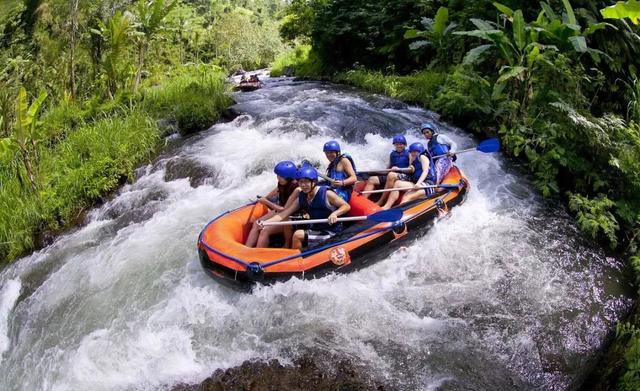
(320, 208)
(435, 148)
(417, 165)
(332, 172)
(399, 159)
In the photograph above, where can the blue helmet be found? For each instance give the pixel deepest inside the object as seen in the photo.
(307, 172)
(416, 147)
(399, 139)
(331, 146)
(286, 169)
(428, 125)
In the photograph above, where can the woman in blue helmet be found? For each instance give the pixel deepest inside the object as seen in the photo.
(342, 170)
(282, 195)
(439, 145)
(421, 173)
(318, 202)
(398, 158)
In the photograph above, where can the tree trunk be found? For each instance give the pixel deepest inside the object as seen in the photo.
(142, 48)
(26, 160)
(72, 60)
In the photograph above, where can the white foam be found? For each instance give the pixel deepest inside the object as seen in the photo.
(8, 297)
(127, 306)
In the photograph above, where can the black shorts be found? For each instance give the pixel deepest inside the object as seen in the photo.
(383, 180)
(314, 236)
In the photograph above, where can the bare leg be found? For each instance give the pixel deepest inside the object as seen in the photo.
(263, 239)
(392, 177)
(394, 195)
(287, 231)
(372, 182)
(298, 239)
(413, 195)
(252, 238)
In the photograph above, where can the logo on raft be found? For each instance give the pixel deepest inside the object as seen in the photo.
(340, 257)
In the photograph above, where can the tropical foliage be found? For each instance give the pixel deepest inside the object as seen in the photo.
(88, 88)
(557, 81)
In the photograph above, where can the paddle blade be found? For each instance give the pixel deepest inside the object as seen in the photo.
(386, 216)
(489, 145)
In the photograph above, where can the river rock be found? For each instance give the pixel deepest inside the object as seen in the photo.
(197, 172)
(304, 374)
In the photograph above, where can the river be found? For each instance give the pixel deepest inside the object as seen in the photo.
(505, 293)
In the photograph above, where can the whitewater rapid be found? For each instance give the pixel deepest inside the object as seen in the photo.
(505, 293)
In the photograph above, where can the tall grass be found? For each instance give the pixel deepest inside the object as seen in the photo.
(300, 61)
(194, 99)
(421, 87)
(93, 148)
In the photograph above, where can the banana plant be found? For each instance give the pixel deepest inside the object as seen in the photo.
(116, 34)
(23, 142)
(623, 9)
(435, 33)
(150, 21)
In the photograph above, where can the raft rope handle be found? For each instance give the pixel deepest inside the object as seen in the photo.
(256, 267)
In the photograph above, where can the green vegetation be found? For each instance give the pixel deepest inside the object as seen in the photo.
(554, 80)
(85, 84)
(300, 61)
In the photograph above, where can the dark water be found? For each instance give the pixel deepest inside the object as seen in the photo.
(503, 294)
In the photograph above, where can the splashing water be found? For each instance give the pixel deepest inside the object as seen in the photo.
(503, 294)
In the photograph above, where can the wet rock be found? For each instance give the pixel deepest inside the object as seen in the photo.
(388, 103)
(168, 126)
(304, 374)
(197, 173)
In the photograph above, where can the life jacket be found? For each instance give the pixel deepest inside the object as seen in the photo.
(285, 191)
(435, 148)
(399, 159)
(332, 172)
(319, 208)
(417, 165)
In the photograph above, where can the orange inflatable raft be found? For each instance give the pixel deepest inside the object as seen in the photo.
(224, 256)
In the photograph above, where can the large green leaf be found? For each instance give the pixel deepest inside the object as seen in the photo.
(473, 55)
(508, 73)
(579, 43)
(504, 9)
(482, 24)
(571, 16)
(519, 35)
(413, 33)
(548, 11)
(629, 9)
(22, 118)
(440, 21)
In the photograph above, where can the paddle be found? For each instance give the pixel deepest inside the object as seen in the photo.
(487, 146)
(441, 186)
(384, 171)
(385, 216)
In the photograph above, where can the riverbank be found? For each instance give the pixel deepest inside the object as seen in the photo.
(91, 148)
(564, 156)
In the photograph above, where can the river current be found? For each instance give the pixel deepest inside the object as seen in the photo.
(505, 293)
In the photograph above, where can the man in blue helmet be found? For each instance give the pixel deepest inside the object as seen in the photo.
(318, 202)
(341, 170)
(441, 148)
(398, 158)
(276, 200)
(422, 173)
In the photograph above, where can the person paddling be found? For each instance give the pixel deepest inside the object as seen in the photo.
(282, 194)
(341, 170)
(438, 145)
(318, 202)
(422, 173)
(398, 158)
